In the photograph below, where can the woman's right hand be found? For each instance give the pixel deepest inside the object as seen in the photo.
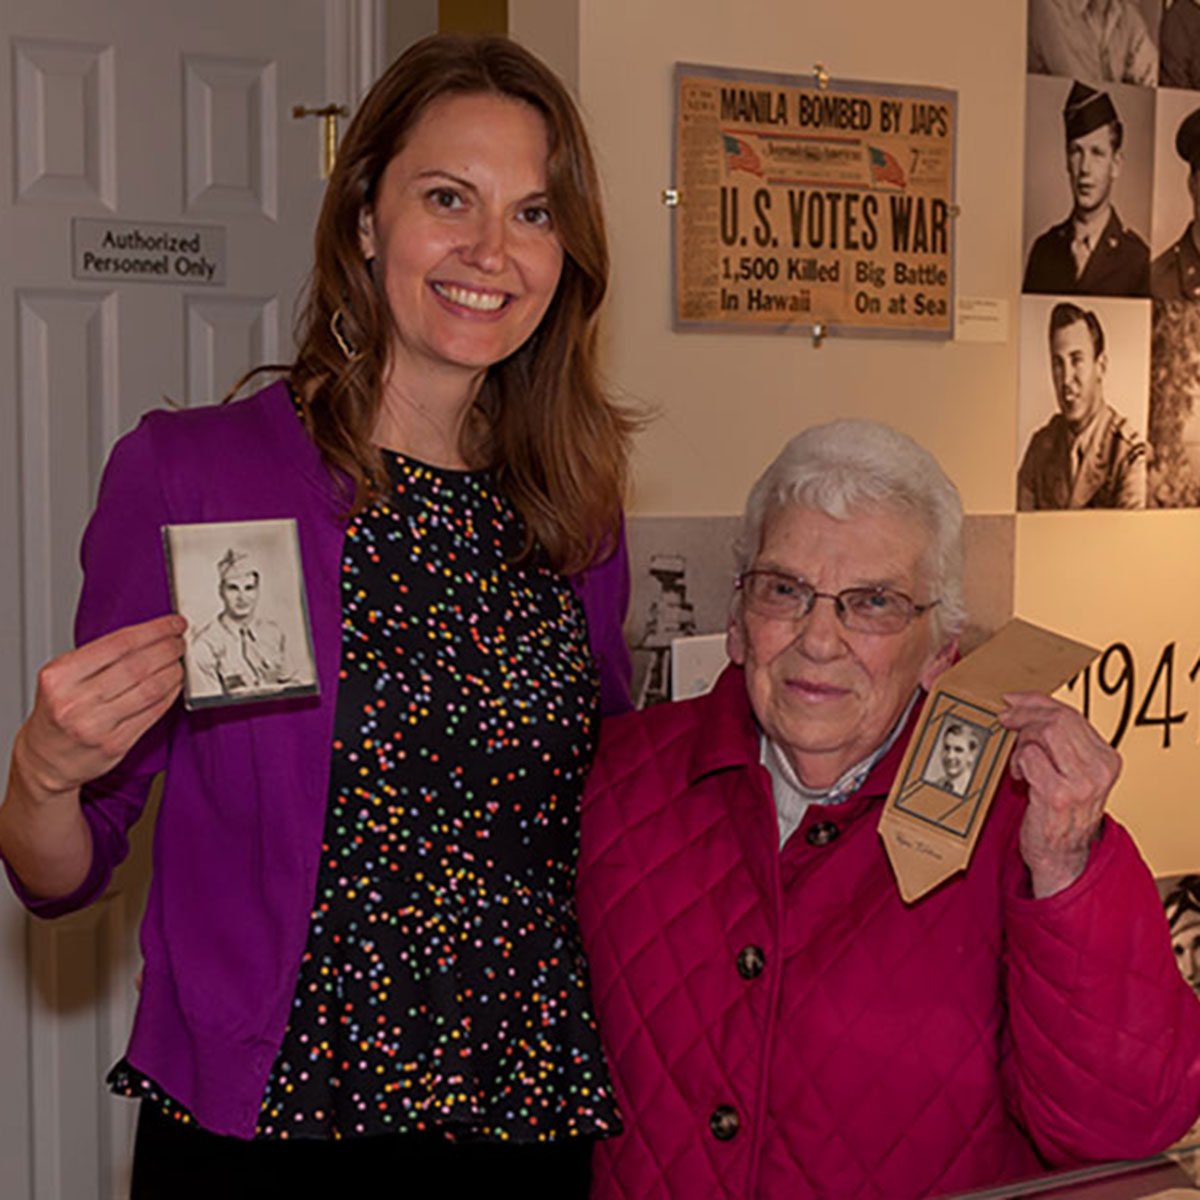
(93, 703)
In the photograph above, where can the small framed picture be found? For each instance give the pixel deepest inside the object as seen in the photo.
(241, 587)
(959, 744)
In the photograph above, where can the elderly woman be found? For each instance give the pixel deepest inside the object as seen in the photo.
(777, 1020)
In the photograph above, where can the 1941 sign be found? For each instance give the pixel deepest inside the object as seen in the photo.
(801, 204)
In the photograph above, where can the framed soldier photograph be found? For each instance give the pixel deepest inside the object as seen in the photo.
(1082, 403)
(240, 585)
(1088, 172)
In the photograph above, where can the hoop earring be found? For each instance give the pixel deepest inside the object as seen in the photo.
(339, 335)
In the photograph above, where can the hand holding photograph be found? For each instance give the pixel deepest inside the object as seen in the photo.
(240, 586)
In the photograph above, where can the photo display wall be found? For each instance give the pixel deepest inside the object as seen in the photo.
(1109, 391)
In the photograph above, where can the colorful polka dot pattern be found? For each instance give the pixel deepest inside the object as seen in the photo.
(443, 983)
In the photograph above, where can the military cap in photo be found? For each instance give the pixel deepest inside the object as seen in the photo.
(236, 562)
(1086, 109)
(1187, 140)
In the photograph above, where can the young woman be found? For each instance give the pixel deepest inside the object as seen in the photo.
(360, 944)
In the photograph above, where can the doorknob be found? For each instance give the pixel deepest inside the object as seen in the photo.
(329, 114)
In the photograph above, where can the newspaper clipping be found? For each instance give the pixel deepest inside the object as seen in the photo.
(799, 203)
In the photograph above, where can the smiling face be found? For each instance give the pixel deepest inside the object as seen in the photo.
(1078, 373)
(956, 753)
(828, 696)
(1093, 165)
(240, 594)
(464, 243)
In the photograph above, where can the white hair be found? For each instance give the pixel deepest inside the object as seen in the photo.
(848, 467)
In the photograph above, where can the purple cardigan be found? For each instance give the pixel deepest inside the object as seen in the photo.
(239, 831)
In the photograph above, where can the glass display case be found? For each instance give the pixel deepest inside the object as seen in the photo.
(1174, 1175)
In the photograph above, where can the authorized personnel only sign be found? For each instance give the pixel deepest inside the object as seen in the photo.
(803, 201)
(147, 252)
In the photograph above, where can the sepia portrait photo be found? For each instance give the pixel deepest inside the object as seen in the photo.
(952, 763)
(241, 588)
(1088, 156)
(1082, 403)
(1175, 241)
(1111, 40)
(958, 747)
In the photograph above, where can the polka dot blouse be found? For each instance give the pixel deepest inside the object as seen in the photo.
(443, 984)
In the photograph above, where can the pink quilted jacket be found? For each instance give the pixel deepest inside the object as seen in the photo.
(780, 1024)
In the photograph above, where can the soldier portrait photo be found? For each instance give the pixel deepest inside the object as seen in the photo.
(1090, 452)
(1175, 272)
(1179, 57)
(239, 586)
(1087, 177)
(1092, 39)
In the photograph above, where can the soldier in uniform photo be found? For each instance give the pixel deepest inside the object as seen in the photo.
(1090, 252)
(237, 651)
(1087, 455)
(1179, 34)
(1091, 39)
(1182, 906)
(1175, 274)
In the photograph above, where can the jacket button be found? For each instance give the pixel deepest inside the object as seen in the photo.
(724, 1122)
(750, 962)
(822, 833)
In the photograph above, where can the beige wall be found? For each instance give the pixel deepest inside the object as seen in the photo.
(727, 402)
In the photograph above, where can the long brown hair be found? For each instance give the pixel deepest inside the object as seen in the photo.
(558, 444)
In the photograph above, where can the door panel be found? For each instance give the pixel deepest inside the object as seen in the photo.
(148, 111)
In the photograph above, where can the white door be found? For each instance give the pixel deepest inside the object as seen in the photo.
(163, 111)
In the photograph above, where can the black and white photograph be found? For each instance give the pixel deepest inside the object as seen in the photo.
(240, 586)
(952, 763)
(958, 746)
(1089, 153)
(1082, 409)
(1180, 895)
(1175, 244)
(1179, 45)
(946, 780)
(1111, 40)
(681, 572)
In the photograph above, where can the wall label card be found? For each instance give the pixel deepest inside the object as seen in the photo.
(955, 761)
(804, 202)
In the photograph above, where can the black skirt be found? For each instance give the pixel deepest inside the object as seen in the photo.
(177, 1161)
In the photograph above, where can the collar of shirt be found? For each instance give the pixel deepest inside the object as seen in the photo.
(1083, 442)
(1101, 12)
(235, 630)
(1092, 228)
(792, 798)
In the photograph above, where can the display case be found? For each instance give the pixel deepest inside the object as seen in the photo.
(1175, 1174)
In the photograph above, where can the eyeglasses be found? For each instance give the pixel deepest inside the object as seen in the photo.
(861, 609)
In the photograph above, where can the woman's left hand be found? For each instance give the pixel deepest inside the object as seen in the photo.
(1070, 769)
